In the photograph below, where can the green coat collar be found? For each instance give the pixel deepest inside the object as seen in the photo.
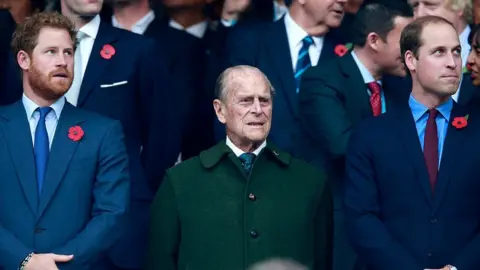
(211, 157)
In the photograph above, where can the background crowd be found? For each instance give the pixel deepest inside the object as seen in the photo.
(160, 81)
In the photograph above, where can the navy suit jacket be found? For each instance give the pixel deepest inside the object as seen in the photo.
(394, 220)
(145, 108)
(85, 193)
(266, 47)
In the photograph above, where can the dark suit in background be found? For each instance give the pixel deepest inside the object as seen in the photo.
(394, 219)
(83, 199)
(333, 99)
(10, 86)
(146, 110)
(266, 47)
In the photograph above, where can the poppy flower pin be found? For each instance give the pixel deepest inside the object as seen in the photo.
(107, 51)
(341, 49)
(460, 122)
(75, 133)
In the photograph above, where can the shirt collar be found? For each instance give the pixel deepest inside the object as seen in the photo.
(463, 37)
(31, 106)
(140, 26)
(237, 151)
(366, 75)
(198, 30)
(296, 34)
(279, 10)
(91, 28)
(419, 110)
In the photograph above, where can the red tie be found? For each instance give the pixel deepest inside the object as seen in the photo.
(375, 97)
(430, 147)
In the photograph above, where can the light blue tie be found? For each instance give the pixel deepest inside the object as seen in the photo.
(41, 148)
(303, 61)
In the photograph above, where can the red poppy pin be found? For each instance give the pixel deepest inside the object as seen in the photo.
(460, 122)
(75, 133)
(340, 50)
(107, 51)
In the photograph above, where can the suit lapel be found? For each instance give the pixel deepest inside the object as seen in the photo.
(357, 89)
(328, 49)
(451, 147)
(62, 151)
(19, 140)
(409, 137)
(96, 64)
(280, 56)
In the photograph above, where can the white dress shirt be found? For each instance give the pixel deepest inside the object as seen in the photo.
(295, 36)
(198, 30)
(84, 50)
(140, 26)
(279, 11)
(463, 37)
(238, 152)
(51, 120)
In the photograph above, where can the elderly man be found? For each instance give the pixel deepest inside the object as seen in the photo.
(243, 200)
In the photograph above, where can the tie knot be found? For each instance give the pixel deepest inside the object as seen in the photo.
(374, 87)
(307, 41)
(43, 111)
(432, 113)
(247, 158)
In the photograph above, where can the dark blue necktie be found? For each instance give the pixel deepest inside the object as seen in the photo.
(247, 161)
(303, 61)
(41, 147)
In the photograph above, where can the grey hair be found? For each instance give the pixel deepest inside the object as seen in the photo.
(227, 80)
(278, 264)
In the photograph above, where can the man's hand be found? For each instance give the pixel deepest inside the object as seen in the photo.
(233, 8)
(46, 261)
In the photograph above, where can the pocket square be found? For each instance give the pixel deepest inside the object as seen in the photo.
(113, 84)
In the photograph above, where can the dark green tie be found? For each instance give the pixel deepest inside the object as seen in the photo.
(247, 160)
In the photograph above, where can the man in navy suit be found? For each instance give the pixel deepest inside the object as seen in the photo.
(283, 50)
(122, 76)
(65, 183)
(335, 96)
(412, 184)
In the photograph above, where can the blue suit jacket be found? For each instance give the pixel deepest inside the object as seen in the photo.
(394, 220)
(145, 107)
(266, 47)
(84, 197)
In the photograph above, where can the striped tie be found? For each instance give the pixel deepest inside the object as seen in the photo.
(303, 61)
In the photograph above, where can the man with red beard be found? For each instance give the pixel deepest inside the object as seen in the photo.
(65, 181)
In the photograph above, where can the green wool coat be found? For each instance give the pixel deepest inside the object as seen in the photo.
(210, 215)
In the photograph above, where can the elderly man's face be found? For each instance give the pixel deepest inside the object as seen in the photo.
(247, 108)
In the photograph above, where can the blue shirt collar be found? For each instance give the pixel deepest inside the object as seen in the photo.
(31, 106)
(419, 110)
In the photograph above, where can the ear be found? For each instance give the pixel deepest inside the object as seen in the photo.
(23, 60)
(374, 41)
(410, 61)
(220, 110)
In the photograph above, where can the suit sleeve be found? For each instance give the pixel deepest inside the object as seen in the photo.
(468, 257)
(324, 230)
(12, 250)
(368, 235)
(318, 102)
(164, 235)
(111, 195)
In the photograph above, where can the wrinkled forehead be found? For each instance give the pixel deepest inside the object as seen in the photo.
(248, 84)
